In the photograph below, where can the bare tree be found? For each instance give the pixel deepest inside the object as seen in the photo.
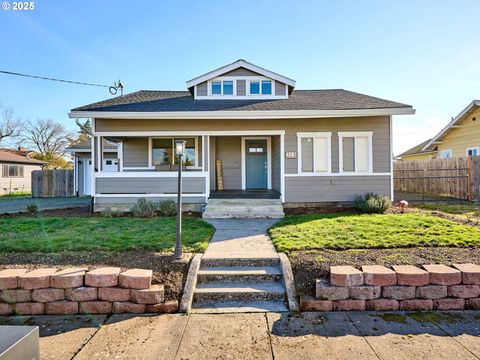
(47, 137)
(9, 127)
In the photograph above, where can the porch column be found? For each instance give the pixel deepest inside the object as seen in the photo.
(282, 166)
(206, 164)
(92, 154)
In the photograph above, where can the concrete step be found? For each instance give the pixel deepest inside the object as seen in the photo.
(244, 209)
(246, 201)
(241, 291)
(240, 274)
(225, 307)
(209, 262)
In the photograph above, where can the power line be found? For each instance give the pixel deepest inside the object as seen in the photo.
(113, 89)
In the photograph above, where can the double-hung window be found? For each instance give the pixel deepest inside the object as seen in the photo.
(473, 151)
(12, 171)
(222, 87)
(446, 154)
(314, 152)
(355, 152)
(260, 87)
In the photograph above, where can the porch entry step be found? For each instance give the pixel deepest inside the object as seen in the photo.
(240, 273)
(239, 291)
(225, 307)
(209, 262)
(244, 209)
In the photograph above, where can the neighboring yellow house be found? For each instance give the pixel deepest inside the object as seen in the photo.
(460, 138)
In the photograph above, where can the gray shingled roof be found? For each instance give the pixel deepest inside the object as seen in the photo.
(88, 144)
(146, 100)
(416, 150)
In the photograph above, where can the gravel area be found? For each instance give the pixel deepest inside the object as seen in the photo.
(308, 266)
(166, 271)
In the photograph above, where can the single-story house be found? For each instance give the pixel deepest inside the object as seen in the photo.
(82, 164)
(247, 131)
(460, 138)
(16, 171)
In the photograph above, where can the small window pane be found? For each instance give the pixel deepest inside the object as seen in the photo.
(228, 88)
(162, 151)
(307, 154)
(254, 88)
(216, 87)
(321, 153)
(348, 154)
(361, 151)
(266, 87)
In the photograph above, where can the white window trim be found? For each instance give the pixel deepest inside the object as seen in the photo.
(328, 136)
(355, 134)
(473, 148)
(259, 80)
(446, 150)
(8, 171)
(269, 160)
(150, 150)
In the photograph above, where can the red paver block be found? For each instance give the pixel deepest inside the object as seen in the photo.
(9, 278)
(325, 291)
(114, 294)
(15, 295)
(470, 273)
(431, 292)
(472, 304)
(398, 292)
(416, 304)
(365, 292)
(136, 279)
(61, 308)
(68, 278)
(102, 277)
(48, 295)
(171, 306)
(81, 294)
(345, 276)
(95, 307)
(409, 275)
(383, 305)
(154, 295)
(128, 307)
(36, 279)
(307, 303)
(443, 275)
(6, 309)
(29, 308)
(378, 275)
(449, 304)
(464, 291)
(349, 305)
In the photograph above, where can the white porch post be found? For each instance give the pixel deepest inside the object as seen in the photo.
(282, 166)
(206, 165)
(99, 152)
(120, 156)
(93, 186)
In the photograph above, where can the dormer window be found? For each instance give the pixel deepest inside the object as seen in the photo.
(224, 87)
(263, 87)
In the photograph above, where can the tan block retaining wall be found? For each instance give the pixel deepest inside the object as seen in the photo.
(78, 291)
(405, 287)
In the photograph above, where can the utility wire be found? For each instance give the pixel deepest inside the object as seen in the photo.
(113, 89)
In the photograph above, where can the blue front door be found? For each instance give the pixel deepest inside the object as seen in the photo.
(256, 164)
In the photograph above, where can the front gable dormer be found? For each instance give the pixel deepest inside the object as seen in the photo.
(241, 80)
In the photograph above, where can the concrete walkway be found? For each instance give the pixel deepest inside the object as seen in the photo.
(340, 335)
(241, 238)
(16, 205)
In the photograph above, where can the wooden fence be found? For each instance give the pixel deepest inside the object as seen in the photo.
(52, 183)
(457, 177)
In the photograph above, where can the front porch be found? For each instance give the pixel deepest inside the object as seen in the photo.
(245, 194)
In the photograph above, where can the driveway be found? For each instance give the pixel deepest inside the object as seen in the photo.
(16, 205)
(338, 335)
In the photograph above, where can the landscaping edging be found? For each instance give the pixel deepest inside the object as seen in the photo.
(76, 291)
(406, 287)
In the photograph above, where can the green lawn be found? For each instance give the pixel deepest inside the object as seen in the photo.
(352, 231)
(16, 194)
(57, 234)
(460, 208)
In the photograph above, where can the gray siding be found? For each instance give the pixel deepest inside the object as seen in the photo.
(135, 152)
(228, 149)
(241, 71)
(241, 87)
(132, 200)
(279, 88)
(202, 89)
(150, 185)
(333, 188)
(276, 163)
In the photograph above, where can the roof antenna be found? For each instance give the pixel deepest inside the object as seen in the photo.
(114, 89)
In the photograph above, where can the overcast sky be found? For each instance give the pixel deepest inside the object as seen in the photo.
(423, 53)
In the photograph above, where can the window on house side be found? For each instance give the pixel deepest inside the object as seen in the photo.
(315, 152)
(228, 88)
(446, 154)
(474, 151)
(163, 150)
(254, 88)
(216, 88)
(356, 153)
(266, 87)
(11, 171)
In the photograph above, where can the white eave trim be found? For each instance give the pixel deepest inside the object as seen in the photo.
(452, 123)
(271, 114)
(236, 65)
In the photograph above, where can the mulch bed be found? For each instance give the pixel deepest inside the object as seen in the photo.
(166, 271)
(308, 266)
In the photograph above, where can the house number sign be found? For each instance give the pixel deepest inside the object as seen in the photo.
(291, 154)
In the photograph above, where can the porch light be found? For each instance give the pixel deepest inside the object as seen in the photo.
(179, 151)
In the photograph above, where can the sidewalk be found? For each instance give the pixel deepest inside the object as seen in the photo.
(339, 335)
